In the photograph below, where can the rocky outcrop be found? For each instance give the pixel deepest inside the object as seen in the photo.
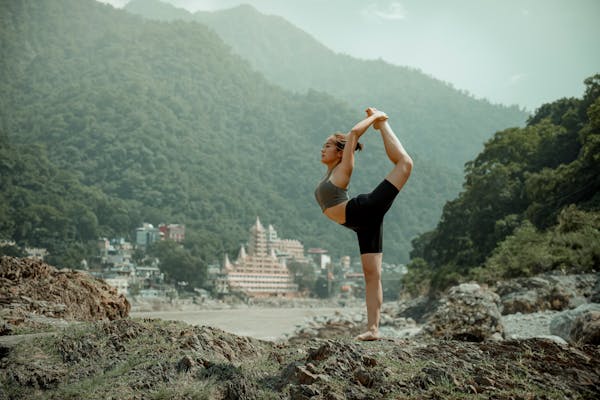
(31, 290)
(578, 326)
(468, 312)
(546, 292)
(524, 326)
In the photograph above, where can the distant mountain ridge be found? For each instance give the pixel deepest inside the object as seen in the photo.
(295, 60)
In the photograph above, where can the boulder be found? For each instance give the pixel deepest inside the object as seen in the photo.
(469, 312)
(545, 292)
(577, 325)
(595, 292)
(586, 328)
(524, 302)
(418, 309)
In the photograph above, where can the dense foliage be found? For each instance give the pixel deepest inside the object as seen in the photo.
(530, 202)
(43, 206)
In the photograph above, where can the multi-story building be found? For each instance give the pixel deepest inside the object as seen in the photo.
(146, 235)
(258, 272)
(285, 249)
(115, 252)
(175, 232)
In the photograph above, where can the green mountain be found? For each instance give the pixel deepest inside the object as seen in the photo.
(163, 118)
(442, 127)
(162, 122)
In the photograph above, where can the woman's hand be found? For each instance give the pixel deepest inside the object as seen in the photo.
(379, 116)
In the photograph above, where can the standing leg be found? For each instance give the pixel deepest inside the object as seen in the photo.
(371, 264)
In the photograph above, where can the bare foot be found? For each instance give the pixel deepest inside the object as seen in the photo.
(368, 336)
(377, 125)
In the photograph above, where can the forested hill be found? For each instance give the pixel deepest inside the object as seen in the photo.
(156, 122)
(530, 204)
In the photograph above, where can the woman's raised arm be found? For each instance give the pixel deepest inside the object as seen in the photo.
(343, 172)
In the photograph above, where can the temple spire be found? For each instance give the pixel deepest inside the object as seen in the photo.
(242, 254)
(227, 263)
(257, 225)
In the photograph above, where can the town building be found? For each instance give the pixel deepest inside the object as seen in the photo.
(320, 257)
(285, 249)
(174, 232)
(146, 235)
(345, 263)
(119, 270)
(121, 283)
(36, 253)
(257, 272)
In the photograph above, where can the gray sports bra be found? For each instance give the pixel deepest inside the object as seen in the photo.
(329, 195)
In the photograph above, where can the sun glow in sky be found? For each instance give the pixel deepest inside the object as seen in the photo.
(524, 52)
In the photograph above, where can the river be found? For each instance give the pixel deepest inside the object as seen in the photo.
(257, 322)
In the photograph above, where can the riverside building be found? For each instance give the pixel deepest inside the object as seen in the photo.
(257, 272)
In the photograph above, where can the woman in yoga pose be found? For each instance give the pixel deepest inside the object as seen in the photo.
(363, 213)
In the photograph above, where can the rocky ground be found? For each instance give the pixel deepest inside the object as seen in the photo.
(135, 359)
(460, 346)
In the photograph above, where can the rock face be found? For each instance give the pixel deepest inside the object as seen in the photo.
(546, 292)
(578, 326)
(31, 289)
(469, 312)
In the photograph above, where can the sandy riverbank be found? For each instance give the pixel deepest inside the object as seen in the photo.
(257, 322)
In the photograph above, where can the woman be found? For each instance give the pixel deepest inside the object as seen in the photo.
(363, 213)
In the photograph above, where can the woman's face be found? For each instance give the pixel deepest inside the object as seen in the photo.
(330, 153)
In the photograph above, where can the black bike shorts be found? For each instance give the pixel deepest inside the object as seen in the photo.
(364, 215)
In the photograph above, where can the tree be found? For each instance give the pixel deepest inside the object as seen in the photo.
(178, 264)
(321, 288)
(304, 275)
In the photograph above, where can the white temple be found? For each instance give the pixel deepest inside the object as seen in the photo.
(257, 273)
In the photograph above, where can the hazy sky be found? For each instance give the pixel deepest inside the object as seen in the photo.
(524, 52)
